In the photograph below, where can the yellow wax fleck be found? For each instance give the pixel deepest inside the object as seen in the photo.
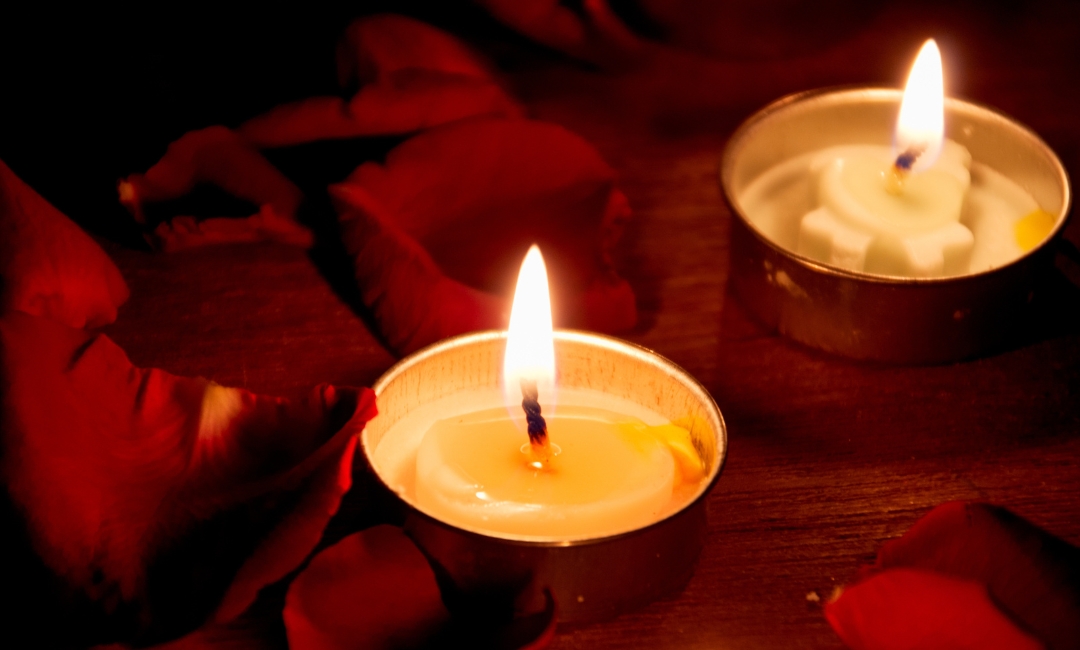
(1033, 228)
(688, 461)
(610, 473)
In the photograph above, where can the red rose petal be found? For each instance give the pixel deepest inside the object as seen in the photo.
(406, 101)
(48, 266)
(219, 157)
(299, 532)
(1031, 575)
(146, 492)
(902, 609)
(373, 589)
(456, 208)
(414, 303)
(376, 46)
(307, 120)
(412, 76)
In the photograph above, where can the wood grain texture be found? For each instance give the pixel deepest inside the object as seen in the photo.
(259, 316)
(828, 457)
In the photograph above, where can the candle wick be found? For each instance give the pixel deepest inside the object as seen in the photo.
(906, 160)
(538, 438)
(901, 167)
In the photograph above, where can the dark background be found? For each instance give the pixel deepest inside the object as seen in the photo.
(91, 94)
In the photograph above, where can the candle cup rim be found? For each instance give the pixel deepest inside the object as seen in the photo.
(613, 343)
(883, 95)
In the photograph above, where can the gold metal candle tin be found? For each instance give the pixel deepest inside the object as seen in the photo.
(899, 320)
(590, 579)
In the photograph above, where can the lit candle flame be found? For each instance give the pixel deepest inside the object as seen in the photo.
(530, 345)
(920, 128)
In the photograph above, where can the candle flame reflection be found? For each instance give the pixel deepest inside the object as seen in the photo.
(920, 127)
(530, 345)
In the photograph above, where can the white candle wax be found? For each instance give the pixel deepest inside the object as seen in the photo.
(1003, 219)
(861, 225)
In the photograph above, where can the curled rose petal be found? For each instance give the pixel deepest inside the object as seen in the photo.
(217, 156)
(373, 589)
(903, 609)
(1031, 575)
(145, 493)
(455, 208)
(411, 75)
(414, 303)
(48, 266)
(404, 101)
(301, 529)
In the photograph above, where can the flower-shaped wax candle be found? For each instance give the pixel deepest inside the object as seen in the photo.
(924, 249)
(918, 209)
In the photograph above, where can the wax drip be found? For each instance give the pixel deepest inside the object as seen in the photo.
(897, 174)
(538, 438)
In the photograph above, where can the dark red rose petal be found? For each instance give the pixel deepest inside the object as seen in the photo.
(911, 609)
(48, 266)
(407, 100)
(217, 156)
(411, 76)
(414, 303)
(376, 46)
(146, 493)
(306, 120)
(1031, 575)
(301, 529)
(456, 208)
(373, 589)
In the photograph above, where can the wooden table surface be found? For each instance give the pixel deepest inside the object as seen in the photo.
(828, 457)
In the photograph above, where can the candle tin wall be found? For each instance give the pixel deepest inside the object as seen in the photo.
(590, 579)
(899, 320)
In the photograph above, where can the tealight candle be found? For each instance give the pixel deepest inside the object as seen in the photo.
(576, 466)
(894, 251)
(912, 210)
(586, 471)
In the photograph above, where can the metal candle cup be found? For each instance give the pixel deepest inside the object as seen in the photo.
(864, 316)
(590, 579)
